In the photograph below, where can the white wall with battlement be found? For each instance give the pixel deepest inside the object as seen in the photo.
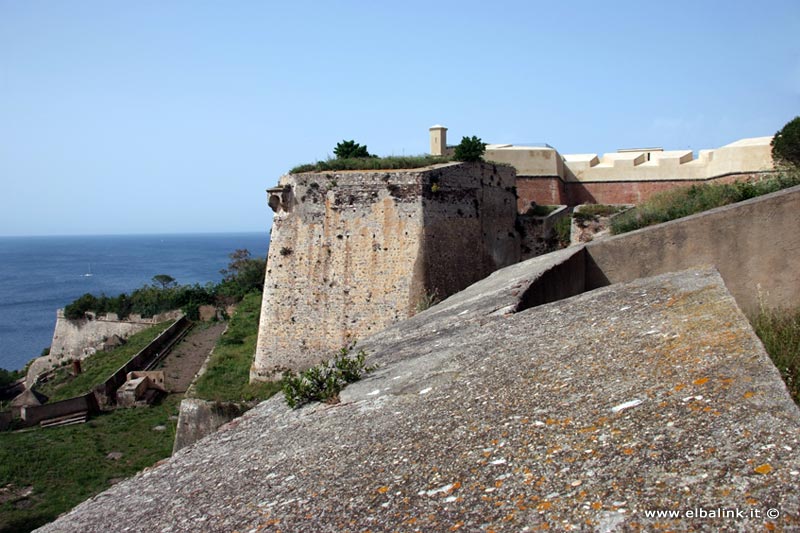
(644, 164)
(740, 157)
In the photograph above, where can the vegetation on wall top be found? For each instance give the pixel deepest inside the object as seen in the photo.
(470, 149)
(350, 150)
(371, 163)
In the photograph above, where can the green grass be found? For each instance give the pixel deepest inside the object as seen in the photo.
(98, 367)
(228, 374)
(779, 331)
(372, 163)
(685, 201)
(562, 228)
(67, 465)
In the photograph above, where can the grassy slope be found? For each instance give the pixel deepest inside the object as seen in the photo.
(228, 374)
(779, 331)
(685, 201)
(67, 465)
(97, 368)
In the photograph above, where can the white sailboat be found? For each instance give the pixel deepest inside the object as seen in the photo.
(89, 274)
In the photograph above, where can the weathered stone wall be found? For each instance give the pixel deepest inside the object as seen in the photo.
(200, 418)
(78, 339)
(351, 252)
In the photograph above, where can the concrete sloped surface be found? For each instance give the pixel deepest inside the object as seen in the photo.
(589, 413)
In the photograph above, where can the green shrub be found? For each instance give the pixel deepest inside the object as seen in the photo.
(786, 143)
(323, 382)
(469, 149)
(78, 308)
(244, 275)
(350, 149)
(7, 377)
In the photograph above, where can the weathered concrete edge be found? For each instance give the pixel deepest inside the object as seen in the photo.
(199, 418)
(759, 259)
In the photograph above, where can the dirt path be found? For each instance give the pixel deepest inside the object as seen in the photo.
(182, 363)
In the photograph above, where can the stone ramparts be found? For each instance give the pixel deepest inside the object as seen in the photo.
(351, 252)
(145, 359)
(80, 338)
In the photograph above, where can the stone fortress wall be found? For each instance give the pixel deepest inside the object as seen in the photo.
(352, 252)
(628, 176)
(78, 339)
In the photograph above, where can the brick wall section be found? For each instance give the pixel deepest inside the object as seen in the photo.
(543, 190)
(352, 252)
(552, 190)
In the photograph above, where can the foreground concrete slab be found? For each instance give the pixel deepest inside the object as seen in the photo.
(642, 406)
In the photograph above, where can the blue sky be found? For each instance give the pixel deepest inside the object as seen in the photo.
(169, 116)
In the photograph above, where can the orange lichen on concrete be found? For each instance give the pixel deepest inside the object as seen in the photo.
(765, 468)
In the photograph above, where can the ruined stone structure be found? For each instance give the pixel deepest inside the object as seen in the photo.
(352, 252)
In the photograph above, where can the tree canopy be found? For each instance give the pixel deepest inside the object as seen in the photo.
(470, 149)
(350, 149)
(786, 143)
(243, 275)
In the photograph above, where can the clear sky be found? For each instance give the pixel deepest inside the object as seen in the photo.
(174, 116)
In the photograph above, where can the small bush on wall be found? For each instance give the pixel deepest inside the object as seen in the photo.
(323, 382)
(470, 149)
(350, 149)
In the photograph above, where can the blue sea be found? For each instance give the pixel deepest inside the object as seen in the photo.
(40, 274)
